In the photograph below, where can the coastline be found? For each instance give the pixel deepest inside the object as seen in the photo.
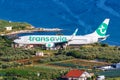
(11, 28)
(34, 30)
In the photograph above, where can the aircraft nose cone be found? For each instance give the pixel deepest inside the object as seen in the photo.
(16, 41)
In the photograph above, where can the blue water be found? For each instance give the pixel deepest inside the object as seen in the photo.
(66, 14)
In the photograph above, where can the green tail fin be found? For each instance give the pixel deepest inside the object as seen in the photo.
(101, 31)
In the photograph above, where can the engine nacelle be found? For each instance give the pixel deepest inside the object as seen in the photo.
(50, 45)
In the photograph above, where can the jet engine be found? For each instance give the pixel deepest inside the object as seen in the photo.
(50, 45)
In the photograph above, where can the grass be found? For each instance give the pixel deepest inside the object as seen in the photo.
(117, 78)
(80, 62)
(29, 72)
(111, 73)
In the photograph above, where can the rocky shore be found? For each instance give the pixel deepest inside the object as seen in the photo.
(33, 30)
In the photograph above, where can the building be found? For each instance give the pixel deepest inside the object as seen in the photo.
(39, 54)
(9, 28)
(102, 77)
(106, 67)
(77, 74)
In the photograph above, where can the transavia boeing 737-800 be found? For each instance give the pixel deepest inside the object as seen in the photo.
(53, 41)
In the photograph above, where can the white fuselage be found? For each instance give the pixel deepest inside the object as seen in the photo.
(43, 39)
(53, 40)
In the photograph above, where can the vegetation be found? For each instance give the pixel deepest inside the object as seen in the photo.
(32, 73)
(5, 42)
(8, 54)
(71, 65)
(53, 65)
(78, 63)
(11, 54)
(55, 58)
(117, 78)
(100, 52)
(111, 73)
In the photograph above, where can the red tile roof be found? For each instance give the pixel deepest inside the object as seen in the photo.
(74, 73)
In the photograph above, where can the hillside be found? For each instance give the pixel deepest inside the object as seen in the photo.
(19, 61)
(16, 26)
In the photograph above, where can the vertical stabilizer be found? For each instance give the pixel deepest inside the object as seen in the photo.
(102, 29)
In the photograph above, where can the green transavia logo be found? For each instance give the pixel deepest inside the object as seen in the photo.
(47, 38)
(102, 29)
(49, 45)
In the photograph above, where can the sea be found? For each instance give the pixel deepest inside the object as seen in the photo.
(86, 15)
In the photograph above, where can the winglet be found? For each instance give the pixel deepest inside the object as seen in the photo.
(75, 32)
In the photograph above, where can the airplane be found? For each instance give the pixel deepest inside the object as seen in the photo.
(52, 41)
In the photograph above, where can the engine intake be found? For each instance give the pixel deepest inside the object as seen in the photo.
(50, 45)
